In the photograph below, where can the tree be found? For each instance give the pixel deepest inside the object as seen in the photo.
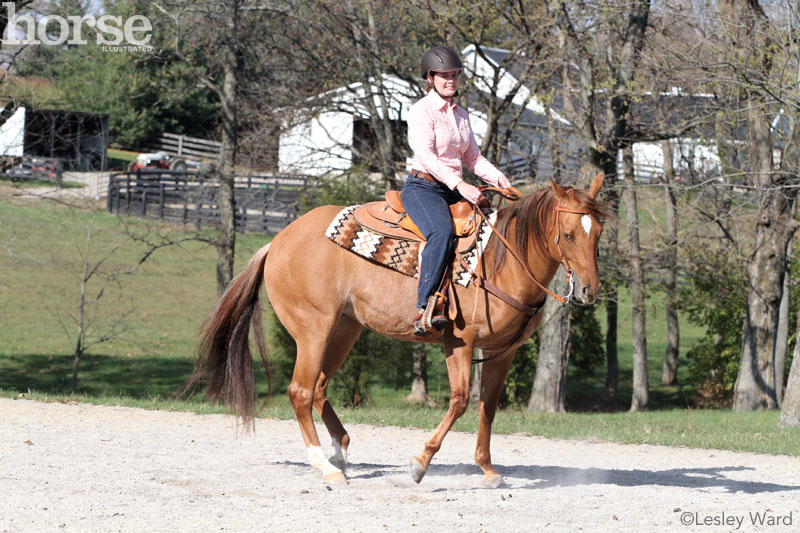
(757, 50)
(95, 272)
(221, 44)
(790, 411)
(669, 373)
(143, 95)
(549, 383)
(419, 376)
(641, 394)
(598, 46)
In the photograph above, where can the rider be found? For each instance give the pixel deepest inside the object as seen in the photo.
(440, 135)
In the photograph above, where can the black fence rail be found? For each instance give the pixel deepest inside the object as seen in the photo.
(264, 204)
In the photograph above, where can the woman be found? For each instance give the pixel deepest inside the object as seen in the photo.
(440, 135)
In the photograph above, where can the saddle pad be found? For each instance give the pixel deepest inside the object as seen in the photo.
(400, 255)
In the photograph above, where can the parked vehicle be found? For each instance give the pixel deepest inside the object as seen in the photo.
(157, 160)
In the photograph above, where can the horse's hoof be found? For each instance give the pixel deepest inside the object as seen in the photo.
(492, 482)
(416, 470)
(334, 478)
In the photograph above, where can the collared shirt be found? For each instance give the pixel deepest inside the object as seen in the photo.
(441, 138)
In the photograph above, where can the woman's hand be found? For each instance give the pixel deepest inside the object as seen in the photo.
(503, 182)
(469, 192)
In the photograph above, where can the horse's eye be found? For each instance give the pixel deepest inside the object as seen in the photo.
(568, 236)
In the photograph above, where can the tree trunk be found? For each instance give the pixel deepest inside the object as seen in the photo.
(475, 388)
(226, 241)
(755, 387)
(419, 376)
(76, 365)
(641, 392)
(669, 373)
(609, 167)
(790, 410)
(781, 344)
(549, 384)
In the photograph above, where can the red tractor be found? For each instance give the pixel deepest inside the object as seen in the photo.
(158, 160)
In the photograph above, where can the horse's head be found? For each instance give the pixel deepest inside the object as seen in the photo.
(574, 234)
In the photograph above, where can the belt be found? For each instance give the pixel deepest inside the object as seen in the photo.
(424, 175)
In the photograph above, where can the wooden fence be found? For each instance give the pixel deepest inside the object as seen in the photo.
(185, 147)
(264, 204)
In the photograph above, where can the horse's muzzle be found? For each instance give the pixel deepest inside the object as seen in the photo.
(586, 294)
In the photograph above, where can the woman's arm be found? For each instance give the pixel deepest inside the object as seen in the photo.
(480, 165)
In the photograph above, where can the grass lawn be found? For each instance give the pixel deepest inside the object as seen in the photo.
(169, 296)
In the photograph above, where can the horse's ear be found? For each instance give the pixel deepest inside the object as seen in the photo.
(560, 192)
(597, 184)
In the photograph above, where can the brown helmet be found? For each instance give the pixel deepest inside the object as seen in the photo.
(439, 58)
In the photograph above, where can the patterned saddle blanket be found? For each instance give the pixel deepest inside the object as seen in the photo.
(401, 255)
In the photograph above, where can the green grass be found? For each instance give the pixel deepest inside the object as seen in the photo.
(25, 183)
(173, 291)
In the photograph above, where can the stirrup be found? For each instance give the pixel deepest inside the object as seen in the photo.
(426, 319)
(422, 326)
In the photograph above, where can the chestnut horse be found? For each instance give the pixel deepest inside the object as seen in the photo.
(325, 295)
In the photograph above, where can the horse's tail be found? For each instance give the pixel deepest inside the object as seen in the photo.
(224, 360)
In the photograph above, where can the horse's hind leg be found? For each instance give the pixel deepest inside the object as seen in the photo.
(493, 374)
(344, 337)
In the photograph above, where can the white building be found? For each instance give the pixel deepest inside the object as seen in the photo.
(324, 138)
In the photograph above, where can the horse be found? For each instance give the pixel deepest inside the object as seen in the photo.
(325, 296)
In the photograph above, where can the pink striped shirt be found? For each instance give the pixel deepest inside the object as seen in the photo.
(441, 138)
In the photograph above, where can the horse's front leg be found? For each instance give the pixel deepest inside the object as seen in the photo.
(459, 364)
(493, 374)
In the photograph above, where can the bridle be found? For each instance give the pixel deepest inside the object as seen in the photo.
(568, 269)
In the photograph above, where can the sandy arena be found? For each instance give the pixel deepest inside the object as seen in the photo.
(75, 467)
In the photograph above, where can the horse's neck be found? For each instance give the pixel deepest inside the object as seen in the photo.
(513, 278)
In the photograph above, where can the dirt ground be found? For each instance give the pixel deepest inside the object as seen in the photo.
(75, 467)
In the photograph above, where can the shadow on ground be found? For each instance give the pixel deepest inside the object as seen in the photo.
(99, 375)
(544, 477)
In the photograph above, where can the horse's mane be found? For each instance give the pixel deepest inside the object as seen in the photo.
(533, 215)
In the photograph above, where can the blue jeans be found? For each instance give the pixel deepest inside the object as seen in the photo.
(428, 204)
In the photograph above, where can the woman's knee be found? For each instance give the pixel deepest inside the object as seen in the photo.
(441, 234)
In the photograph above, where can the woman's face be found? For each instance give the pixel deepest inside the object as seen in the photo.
(446, 82)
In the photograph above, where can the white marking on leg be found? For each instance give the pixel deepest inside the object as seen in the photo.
(586, 222)
(339, 454)
(316, 457)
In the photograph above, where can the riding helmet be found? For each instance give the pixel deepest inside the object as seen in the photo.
(439, 58)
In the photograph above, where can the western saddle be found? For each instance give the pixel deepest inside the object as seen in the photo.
(388, 217)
